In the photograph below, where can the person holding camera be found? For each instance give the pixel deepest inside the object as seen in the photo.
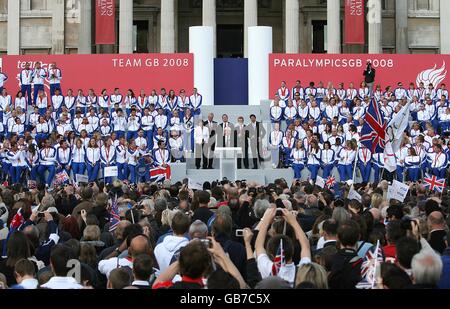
(281, 266)
(369, 77)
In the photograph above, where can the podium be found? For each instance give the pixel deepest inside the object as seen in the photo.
(228, 161)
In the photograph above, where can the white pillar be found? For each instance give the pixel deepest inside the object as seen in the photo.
(292, 26)
(401, 26)
(260, 46)
(334, 26)
(250, 20)
(445, 26)
(201, 41)
(126, 27)
(85, 28)
(13, 27)
(375, 27)
(58, 22)
(209, 20)
(168, 26)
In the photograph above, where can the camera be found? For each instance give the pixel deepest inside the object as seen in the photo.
(206, 242)
(239, 233)
(41, 214)
(279, 212)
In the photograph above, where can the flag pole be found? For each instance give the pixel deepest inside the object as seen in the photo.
(356, 162)
(376, 264)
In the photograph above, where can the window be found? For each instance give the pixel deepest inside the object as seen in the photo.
(423, 5)
(38, 5)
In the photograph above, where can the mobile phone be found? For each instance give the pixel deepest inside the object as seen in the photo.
(239, 233)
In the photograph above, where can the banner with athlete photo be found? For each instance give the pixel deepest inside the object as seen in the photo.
(347, 68)
(108, 71)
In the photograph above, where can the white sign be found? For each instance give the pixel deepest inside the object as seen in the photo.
(111, 171)
(353, 195)
(81, 178)
(390, 193)
(192, 184)
(320, 182)
(400, 190)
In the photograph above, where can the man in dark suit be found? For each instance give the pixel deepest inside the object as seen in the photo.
(255, 132)
(437, 235)
(241, 141)
(208, 158)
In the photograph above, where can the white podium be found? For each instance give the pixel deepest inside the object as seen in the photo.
(228, 161)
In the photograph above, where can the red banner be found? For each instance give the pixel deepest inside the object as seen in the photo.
(347, 68)
(136, 71)
(354, 22)
(105, 22)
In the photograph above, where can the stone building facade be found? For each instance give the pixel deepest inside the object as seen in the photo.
(306, 26)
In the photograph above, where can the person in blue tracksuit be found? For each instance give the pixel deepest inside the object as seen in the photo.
(327, 159)
(32, 160)
(365, 163)
(64, 157)
(14, 156)
(26, 79)
(298, 158)
(346, 157)
(288, 142)
(314, 159)
(132, 156)
(78, 158)
(412, 165)
(378, 166)
(92, 157)
(108, 157)
(47, 161)
(121, 159)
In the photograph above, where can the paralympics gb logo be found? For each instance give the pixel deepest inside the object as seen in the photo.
(433, 76)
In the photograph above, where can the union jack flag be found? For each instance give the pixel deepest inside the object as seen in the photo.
(114, 219)
(370, 266)
(434, 183)
(331, 181)
(279, 260)
(61, 178)
(160, 174)
(373, 132)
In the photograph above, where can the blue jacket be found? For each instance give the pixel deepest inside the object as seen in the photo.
(445, 278)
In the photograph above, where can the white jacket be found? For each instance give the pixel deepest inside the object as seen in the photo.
(164, 251)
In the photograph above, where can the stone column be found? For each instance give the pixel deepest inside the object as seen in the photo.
(209, 20)
(401, 26)
(167, 26)
(250, 20)
(292, 25)
(334, 26)
(151, 34)
(126, 27)
(85, 29)
(445, 26)
(13, 27)
(375, 27)
(58, 22)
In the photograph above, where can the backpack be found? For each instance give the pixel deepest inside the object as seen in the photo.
(347, 273)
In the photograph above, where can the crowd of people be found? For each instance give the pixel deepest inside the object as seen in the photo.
(319, 128)
(230, 235)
